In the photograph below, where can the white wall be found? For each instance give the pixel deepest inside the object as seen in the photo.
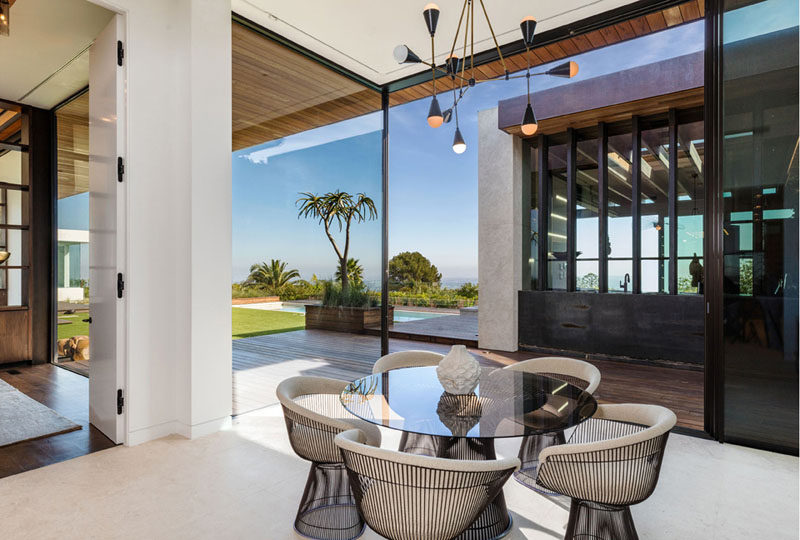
(178, 171)
(500, 245)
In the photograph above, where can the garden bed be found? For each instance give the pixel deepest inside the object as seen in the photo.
(344, 319)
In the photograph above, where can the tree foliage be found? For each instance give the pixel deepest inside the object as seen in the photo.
(273, 275)
(412, 267)
(355, 272)
(337, 209)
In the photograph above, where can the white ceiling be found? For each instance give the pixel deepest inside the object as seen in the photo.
(49, 40)
(361, 34)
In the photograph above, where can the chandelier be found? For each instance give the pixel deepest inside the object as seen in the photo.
(461, 70)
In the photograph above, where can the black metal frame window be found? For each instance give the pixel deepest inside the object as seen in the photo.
(605, 200)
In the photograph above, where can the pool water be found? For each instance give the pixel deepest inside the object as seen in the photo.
(399, 314)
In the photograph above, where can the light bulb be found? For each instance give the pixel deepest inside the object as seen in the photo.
(459, 146)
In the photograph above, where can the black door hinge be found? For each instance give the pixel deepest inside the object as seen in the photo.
(120, 401)
(120, 285)
(120, 169)
(120, 53)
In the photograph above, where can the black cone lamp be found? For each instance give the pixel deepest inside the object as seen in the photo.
(566, 70)
(529, 124)
(435, 117)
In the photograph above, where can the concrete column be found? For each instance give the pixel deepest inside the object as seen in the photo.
(500, 225)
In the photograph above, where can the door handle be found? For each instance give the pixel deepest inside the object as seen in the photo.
(89, 320)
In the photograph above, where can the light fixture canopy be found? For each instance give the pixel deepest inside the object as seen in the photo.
(435, 117)
(566, 70)
(529, 124)
(459, 146)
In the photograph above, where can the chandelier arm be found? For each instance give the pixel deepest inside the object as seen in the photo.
(464, 52)
(496, 45)
(472, 40)
(458, 28)
(433, 67)
(443, 71)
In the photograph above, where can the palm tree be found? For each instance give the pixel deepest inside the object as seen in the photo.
(355, 272)
(338, 208)
(273, 274)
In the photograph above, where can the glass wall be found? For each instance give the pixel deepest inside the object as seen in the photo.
(654, 188)
(760, 222)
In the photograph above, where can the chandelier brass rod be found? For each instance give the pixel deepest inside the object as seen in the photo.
(458, 28)
(494, 38)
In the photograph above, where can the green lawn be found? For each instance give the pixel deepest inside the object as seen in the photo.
(246, 323)
(77, 328)
(259, 322)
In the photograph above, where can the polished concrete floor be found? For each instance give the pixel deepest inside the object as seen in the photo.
(245, 482)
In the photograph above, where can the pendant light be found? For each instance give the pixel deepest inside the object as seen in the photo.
(462, 71)
(5, 16)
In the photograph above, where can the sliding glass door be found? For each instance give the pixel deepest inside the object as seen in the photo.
(759, 183)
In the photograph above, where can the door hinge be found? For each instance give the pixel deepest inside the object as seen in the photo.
(120, 285)
(120, 169)
(120, 401)
(120, 53)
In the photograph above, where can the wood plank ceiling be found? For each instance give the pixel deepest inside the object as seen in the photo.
(72, 121)
(278, 92)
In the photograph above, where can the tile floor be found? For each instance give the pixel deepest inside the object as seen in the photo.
(245, 482)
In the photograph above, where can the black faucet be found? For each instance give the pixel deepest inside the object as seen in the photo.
(624, 282)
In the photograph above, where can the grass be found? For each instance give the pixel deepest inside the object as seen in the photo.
(77, 328)
(246, 323)
(260, 322)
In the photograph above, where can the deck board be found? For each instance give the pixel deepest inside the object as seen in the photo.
(260, 363)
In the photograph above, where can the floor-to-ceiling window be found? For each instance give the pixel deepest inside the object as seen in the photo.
(759, 151)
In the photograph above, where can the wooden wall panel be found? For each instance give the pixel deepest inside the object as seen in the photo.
(14, 335)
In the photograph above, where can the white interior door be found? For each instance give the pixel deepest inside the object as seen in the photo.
(106, 232)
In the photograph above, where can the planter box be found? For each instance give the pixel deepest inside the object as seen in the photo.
(344, 319)
(258, 300)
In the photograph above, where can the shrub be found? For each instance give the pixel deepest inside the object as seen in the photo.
(356, 295)
(468, 290)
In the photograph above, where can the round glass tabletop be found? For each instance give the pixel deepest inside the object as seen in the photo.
(505, 403)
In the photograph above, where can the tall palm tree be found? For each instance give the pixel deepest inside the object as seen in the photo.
(273, 274)
(342, 209)
(355, 272)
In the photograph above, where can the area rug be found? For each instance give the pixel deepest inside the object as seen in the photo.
(23, 419)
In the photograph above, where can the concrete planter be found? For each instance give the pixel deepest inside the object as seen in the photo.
(344, 319)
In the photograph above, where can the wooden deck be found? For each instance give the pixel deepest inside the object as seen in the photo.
(260, 363)
(446, 329)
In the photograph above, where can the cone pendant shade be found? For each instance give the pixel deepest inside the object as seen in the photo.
(528, 27)
(435, 114)
(529, 124)
(459, 146)
(404, 55)
(431, 15)
(566, 70)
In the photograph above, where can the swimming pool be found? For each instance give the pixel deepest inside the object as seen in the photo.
(399, 314)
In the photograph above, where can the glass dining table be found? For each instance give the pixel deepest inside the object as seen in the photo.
(505, 403)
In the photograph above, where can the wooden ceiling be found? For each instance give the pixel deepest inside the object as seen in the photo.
(278, 92)
(10, 124)
(630, 29)
(72, 121)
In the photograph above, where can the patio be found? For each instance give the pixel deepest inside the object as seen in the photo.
(260, 363)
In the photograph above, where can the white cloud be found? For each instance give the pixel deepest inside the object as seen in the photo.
(314, 137)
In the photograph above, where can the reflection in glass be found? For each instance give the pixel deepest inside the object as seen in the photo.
(557, 220)
(534, 219)
(587, 211)
(655, 209)
(690, 204)
(760, 222)
(620, 236)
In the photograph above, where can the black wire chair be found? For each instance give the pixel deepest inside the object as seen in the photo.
(314, 416)
(412, 443)
(408, 497)
(612, 461)
(575, 372)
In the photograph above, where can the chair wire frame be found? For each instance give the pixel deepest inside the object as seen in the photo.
(327, 509)
(604, 483)
(532, 445)
(402, 501)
